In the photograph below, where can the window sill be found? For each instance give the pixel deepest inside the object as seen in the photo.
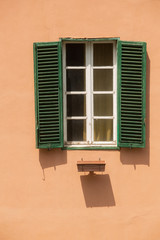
(91, 148)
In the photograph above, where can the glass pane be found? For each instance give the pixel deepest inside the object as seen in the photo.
(75, 54)
(103, 105)
(76, 130)
(76, 105)
(103, 130)
(103, 79)
(103, 54)
(75, 80)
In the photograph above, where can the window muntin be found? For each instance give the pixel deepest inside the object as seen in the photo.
(90, 93)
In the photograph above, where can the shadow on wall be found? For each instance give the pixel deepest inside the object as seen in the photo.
(52, 158)
(97, 190)
(140, 156)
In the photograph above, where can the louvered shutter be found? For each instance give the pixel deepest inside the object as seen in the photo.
(132, 93)
(48, 95)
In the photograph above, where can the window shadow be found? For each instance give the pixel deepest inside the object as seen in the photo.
(140, 156)
(52, 158)
(97, 190)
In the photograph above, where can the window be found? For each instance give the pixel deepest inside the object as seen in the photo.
(90, 93)
(100, 100)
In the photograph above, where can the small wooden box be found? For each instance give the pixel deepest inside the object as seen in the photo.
(91, 166)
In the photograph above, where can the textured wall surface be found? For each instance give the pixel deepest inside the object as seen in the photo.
(42, 194)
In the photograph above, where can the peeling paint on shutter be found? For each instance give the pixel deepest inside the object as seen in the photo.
(48, 95)
(132, 78)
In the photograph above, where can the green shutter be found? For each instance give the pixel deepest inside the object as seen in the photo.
(132, 93)
(48, 95)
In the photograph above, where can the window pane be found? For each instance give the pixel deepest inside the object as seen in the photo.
(103, 104)
(103, 54)
(75, 54)
(103, 79)
(75, 80)
(76, 130)
(103, 130)
(76, 105)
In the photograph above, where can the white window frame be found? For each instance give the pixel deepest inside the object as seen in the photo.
(89, 96)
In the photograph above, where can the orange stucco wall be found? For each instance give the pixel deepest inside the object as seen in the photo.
(42, 194)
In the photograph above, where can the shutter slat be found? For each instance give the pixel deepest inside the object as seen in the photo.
(48, 75)
(132, 94)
